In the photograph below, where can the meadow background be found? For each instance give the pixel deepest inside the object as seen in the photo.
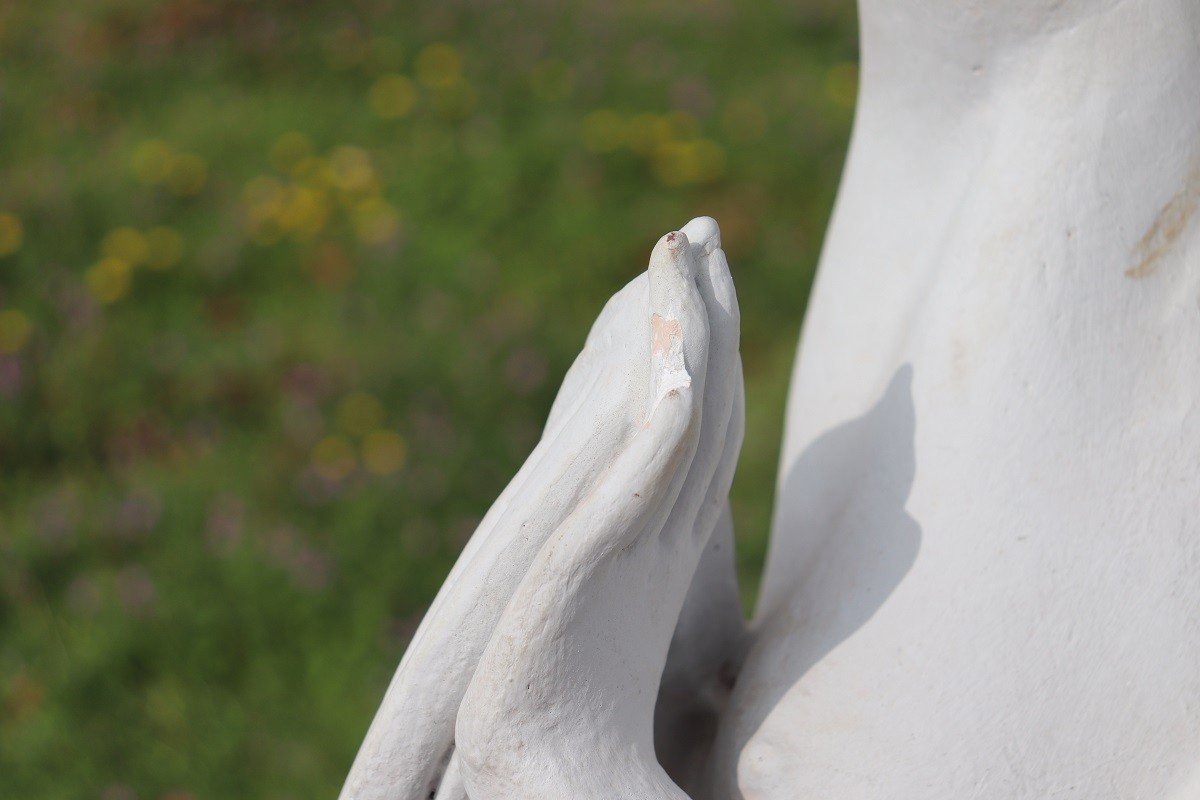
(286, 289)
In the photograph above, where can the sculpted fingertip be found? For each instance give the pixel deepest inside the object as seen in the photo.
(674, 252)
(676, 241)
(704, 232)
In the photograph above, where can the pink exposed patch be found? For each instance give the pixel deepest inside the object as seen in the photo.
(664, 330)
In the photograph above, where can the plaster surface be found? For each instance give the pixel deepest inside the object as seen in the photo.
(984, 573)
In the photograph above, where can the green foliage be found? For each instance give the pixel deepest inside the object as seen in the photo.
(286, 290)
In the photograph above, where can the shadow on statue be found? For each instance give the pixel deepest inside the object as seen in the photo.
(841, 544)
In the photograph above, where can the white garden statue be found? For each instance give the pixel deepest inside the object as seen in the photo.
(984, 573)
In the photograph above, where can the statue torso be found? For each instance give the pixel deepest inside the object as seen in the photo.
(984, 578)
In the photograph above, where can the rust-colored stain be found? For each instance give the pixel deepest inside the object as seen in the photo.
(664, 330)
(1168, 225)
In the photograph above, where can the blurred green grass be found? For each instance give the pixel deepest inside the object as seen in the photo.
(286, 290)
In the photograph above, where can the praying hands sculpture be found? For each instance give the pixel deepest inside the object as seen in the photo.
(984, 574)
(549, 638)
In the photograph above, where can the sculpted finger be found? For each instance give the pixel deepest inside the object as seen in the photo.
(452, 786)
(709, 629)
(710, 637)
(600, 409)
(607, 341)
(553, 709)
(411, 738)
(676, 306)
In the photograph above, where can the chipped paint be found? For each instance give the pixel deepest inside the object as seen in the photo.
(663, 332)
(1162, 234)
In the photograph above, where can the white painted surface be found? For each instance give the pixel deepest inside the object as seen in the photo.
(984, 575)
(578, 576)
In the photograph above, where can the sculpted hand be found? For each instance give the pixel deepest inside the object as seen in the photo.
(552, 630)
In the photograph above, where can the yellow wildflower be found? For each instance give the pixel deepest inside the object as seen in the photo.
(304, 212)
(392, 96)
(439, 66)
(383, 452)
(645, 132)
(350, 170)
(127, 244)
(264, 198)
(108, 280)
(14, 330)
(11, 234)
(694, 161)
